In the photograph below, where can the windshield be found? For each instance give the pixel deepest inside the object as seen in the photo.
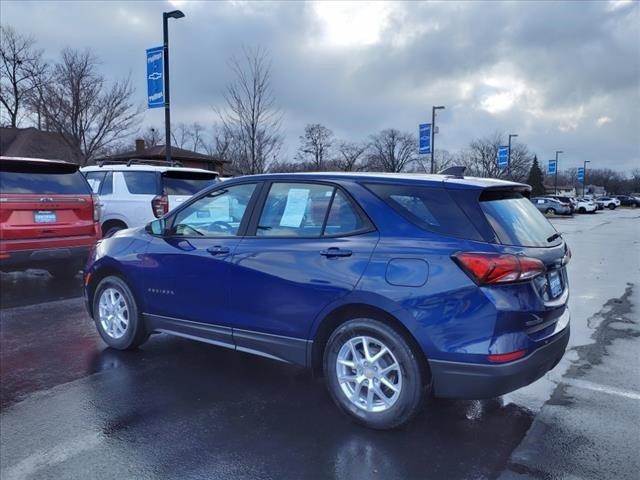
(186, 184)
(516, 221)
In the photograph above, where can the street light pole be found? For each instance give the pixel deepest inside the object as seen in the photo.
(433, 131)
(511, 135)
(555, 188)
(584, 175)
(167, 109)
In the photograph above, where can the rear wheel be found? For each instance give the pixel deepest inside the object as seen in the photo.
(550, 211)
(612, 206)
(582, 210)
(373, 374)
(116, 315)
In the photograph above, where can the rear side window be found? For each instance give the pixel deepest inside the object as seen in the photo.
(141, 183)
(429, 208)
(186, 183)
(37, 179)
(343, 218)
(516, 221)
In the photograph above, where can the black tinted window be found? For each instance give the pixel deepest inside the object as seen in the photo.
(31, 178)
(141, 183)
(516, 221)
(178, 183)
(429, 208)
(343, 217)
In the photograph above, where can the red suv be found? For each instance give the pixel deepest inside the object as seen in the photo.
(48, 216)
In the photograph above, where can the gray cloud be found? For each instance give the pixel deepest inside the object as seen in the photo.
(564, 75)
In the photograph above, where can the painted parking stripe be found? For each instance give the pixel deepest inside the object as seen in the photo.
(586, 385)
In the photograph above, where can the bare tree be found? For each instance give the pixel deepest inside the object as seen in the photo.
(392, 150)
(152, 137)
(180, 135)
(315, 145)
(481, 159)
(250, 115)
(89, 114)
(222, 143)
(21, 72)
(349, 154)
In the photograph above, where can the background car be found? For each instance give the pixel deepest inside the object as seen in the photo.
(628, 201)
(395, 287)
(551, 206)
(608, 202)
(584, 205)
(48, 216)
(133, 194)
(566, 200)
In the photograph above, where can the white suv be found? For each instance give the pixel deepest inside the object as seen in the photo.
(608, 202)
(133, 194)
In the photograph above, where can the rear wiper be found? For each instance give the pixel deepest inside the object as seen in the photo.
(554, 236)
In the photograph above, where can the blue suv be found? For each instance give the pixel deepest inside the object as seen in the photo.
(396, 287)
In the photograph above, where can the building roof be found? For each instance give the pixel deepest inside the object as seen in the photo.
(33, 143)
(159, 152)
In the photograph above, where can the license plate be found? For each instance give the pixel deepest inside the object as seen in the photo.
(555, 284)
(45, 216)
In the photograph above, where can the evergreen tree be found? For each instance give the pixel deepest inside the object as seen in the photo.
(535, 179)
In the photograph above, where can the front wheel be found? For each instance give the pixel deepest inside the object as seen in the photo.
(612, 206)
(373, 374)
(116, 315)
(582, 210)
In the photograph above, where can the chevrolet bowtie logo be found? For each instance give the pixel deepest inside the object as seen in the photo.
(155, 76)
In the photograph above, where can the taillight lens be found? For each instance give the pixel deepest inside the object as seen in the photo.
(160, 205)
(490, 268)
(96, 207)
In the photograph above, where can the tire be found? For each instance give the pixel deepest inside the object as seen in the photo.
(64, 272)
(582, 210)
(409, 377)
(122, 330)
(612, 206)
(550, 211)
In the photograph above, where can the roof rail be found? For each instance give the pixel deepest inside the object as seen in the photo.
(138, 161)
(455, 171)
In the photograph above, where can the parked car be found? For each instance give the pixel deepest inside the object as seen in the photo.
(570, 201)
(584, 205)
(551, 206)
(396, 287)
(48, 217)
(628, 201)
(608, 202)
(133, 194)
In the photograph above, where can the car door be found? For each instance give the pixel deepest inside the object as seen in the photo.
(308, 245)
(190, 262)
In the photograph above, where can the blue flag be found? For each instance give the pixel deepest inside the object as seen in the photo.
(155, 77)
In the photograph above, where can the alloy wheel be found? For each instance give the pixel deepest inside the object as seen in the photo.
(113, 313)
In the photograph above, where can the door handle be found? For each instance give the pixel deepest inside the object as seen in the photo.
(336, 252)
(218, 250)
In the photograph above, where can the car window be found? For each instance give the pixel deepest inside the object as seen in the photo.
(343, 218)
(186, 183)
(218, 214)
(295, 210)
(95, 180)
(141, 183)
(33, 178)
(430, 208)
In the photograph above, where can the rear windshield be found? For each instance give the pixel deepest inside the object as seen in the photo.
(429, 208)
(186, 183)
(32, 178)
(516, 221)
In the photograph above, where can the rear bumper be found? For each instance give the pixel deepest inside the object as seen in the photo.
(41, 258)
(480, 381)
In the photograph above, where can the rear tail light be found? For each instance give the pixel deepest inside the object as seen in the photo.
(96, 208)
(491, 268)
(160, 205)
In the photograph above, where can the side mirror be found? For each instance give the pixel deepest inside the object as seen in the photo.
(157, 227)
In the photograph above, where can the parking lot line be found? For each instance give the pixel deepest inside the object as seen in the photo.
(595, 387)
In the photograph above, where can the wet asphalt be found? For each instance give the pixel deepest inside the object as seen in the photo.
(72, 408)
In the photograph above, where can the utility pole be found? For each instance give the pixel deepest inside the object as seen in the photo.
(555, 188)
(584, 175)
(167, 104)
(433, 131)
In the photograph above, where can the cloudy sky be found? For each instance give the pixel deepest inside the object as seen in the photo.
(564, 76)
